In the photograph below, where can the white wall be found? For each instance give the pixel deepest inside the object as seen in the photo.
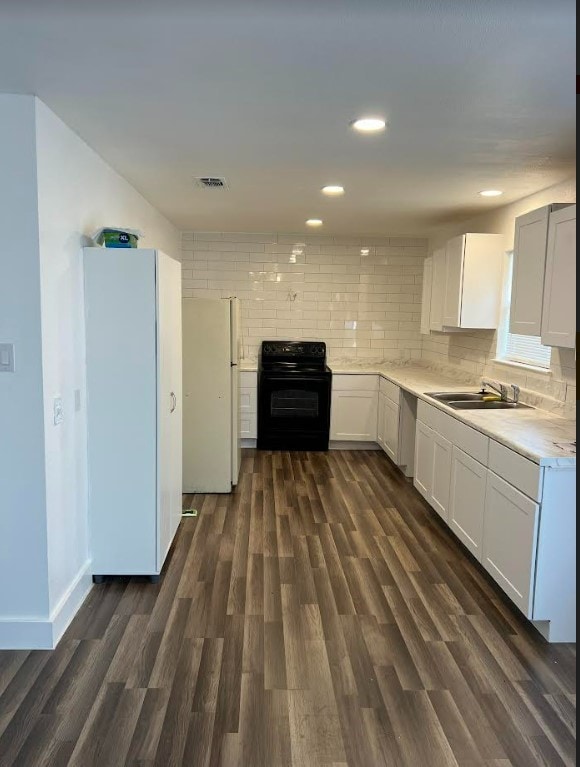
(54, 193)
(77, 193)
(475, 351)
(362, 304)
(23, 558)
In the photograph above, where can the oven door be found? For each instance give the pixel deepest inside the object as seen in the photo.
(293, 406)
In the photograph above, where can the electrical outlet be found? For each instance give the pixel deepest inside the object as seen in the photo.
(58, 411)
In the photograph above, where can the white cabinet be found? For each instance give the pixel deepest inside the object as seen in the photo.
(134, 407)
(433, 468)
(440, 486)
(381, 421)
(510, 541)
(543, 300)
(454, 267)
(392, 412)
(248, 405)
(354, 409)
(473, 278)
(423, 479)
(439, 270)
(467, 500)
(426, 296)
(515, 516)
(559, 307)
(531, 239)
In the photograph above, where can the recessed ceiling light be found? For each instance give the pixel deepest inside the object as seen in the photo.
(365, 251)
(491, 193)
(314, 222)
(369, 124)
(333, 190)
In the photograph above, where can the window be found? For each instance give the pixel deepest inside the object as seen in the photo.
(512, 347)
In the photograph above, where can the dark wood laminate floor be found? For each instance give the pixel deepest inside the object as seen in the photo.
(319, 616)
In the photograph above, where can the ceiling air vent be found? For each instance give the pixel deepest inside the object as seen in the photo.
(210, 182)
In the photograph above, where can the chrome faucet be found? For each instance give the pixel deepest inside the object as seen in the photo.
(502, 390)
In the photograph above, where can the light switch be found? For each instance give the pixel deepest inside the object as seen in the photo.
(6, 358)
(58, 411)
(77, 400)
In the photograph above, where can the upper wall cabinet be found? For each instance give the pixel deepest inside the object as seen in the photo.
(473, 274)
(559, 305)
(530, 246)
(426, 297)
(438, 269)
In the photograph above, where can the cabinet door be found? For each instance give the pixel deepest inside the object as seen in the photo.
(531, 238)
(392, 412)
(426, 296)
(438, 289)
(176, 409)
(559, 312)
(442, 453)
(381, 421)
(354, 416)
(166, 405)
(423, 479)
(467, 500)
(510, 541)
(454, 253)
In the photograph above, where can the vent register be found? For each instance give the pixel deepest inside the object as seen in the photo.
(210, 182)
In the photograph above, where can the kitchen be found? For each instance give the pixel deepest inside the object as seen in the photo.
(360, 333)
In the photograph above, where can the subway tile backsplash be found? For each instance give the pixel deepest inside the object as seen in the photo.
(363, 304)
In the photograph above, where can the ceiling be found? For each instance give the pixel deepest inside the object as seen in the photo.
(477, 94)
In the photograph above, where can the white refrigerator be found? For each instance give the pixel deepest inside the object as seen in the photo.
(211, 408)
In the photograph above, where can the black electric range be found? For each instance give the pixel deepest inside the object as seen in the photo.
(294, 389)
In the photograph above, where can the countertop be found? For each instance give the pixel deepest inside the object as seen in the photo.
(531, 433)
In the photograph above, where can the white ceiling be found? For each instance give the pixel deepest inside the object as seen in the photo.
(477, 94)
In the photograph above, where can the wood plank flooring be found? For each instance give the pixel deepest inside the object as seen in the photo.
(320, 616)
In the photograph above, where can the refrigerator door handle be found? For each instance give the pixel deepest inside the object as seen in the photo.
(173, 402)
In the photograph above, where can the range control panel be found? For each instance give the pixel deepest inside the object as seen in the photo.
(294, 350)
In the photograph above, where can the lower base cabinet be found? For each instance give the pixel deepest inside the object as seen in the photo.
(354, 416)
(467, 500)
(509, 542)
(424, 442)
(433, 468)
(440, 489)
(392, 412)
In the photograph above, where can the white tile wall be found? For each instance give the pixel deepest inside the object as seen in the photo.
(475, 353)
(315, 287)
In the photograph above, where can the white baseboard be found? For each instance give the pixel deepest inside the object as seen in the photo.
(69, 605)
(348, 445)
(41, 633)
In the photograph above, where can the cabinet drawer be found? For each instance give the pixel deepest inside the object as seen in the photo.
(248, 380)
(248, 400)
(471, 441)
(523, 474)
(436, 419)
(355, 382)
(427, 414)
(248, 425)
(391, 390)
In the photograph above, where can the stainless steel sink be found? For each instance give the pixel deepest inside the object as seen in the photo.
(458, 396)
(493, 405)
(475, 401)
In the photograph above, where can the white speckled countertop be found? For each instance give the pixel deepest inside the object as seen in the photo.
(531, 433)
